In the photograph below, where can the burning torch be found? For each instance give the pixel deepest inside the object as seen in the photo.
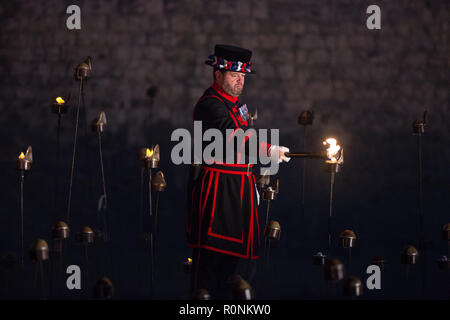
(149, 158)
(59, 107)
(23, 163)
(335, 155)
(334, 159)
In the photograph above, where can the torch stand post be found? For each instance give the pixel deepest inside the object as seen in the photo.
(420, 194)
(267, 213)
(419, 129)
(265, 264)
(58, 147)
(105, 203)
(141, 204)
(406, 277)
(156, 218)
(60, 266)
(22, 178)
(330, 211)
(422, 238)
(104, 208)
(152, 262)
(155, 229)
(303, 177)
(349, 260)
(39, 272)
(266, 251)
(86, 265)
(80, 92)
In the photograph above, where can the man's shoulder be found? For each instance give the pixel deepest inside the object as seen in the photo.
(209, 105)
(210, 95)
(210, 98)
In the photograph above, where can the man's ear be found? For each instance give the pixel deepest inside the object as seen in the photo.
(218, 75)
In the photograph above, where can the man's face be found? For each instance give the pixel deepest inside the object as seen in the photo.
(231, 82)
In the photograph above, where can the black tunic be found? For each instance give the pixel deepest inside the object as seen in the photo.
(222, 212)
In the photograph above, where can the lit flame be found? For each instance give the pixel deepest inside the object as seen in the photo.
(333, 149)
(21, 156)
(60, 100)
(148, 153)
(189, 260)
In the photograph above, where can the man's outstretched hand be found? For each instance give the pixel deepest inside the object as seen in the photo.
(281, 153)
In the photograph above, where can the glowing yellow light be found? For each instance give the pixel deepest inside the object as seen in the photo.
(189, 260)
(21, 156)
(148, 153)
(333, 148)
(60, 100)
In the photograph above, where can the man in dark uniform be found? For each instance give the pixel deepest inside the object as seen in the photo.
(222, 222)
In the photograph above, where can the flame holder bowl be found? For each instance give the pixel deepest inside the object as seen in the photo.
(23, 164)
(333, 166)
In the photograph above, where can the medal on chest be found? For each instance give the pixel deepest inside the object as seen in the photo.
(243, 115)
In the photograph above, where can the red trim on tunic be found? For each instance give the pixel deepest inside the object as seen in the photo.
(256, 213)
(242, 188)
(250, 231)
(225, 171)
(231, 253)
(234, 165)
(234, 119)
(210, 233)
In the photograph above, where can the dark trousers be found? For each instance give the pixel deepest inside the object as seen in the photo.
(210, 271)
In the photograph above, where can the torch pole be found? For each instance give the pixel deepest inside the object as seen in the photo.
(74, 149)
(102, 169)
(349, 259)
(420, 195)
(60, 247)
(331, 212)
(448, 249)
(58, 147)
(107, 232)
(420, 207)
(156, 217)
(152, 264)
(22, 178)
(267, 212)
(448, 270)
(266, 262)
(41, 272)
(36, 271)
(151, 232)
(141, 208)
(264, 266)
(266, 244)
(150, 191)
(154, 237)
(303, 174)
(86, 263)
